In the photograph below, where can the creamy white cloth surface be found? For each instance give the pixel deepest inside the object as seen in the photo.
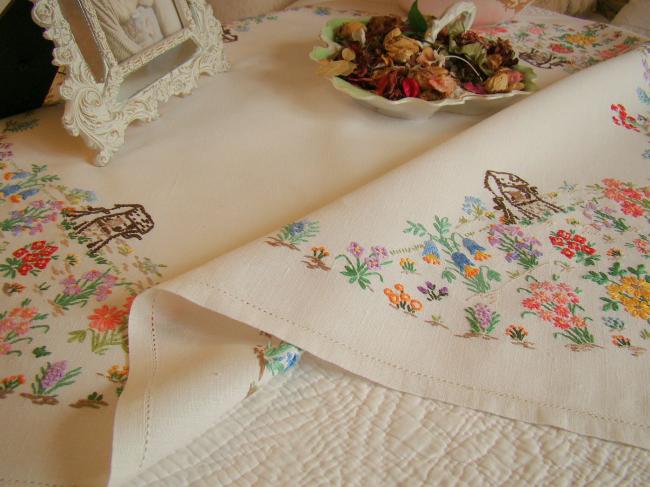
(220, 168)
(320, 425)
(576, 385)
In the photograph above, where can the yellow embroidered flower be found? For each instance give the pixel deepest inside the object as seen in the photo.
(580, 39)
(633, 294)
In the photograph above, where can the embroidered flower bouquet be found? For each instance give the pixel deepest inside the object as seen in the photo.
(420, 59)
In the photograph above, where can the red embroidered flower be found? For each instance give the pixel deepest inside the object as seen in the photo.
(24, 269)
(106, 318)
(49, 250)
(568, 253)
(30, 258)
(563, 234)
(19, 253)
(579, 239)
(588, 250)
(560, 323)
(42, 262)
(38, 245)
(558, 242)
(560, 48)
(573, 245)
(531, 303)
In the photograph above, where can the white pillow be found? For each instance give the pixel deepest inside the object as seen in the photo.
(635, 16)
(570, 7)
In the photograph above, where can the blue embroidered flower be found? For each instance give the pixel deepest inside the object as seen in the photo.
(296, 228)
(466, 266)
(430, 253)
(29, 193)
(9, 190)
(477, 251)
(474, 206)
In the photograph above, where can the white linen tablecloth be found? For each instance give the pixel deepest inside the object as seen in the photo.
(248, 152)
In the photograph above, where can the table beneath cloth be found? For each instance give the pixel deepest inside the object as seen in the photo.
(247, 152)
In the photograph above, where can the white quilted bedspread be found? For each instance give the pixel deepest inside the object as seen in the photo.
(323, 426)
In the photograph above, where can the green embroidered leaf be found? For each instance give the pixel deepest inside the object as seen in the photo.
(416, 20)
(609, 304)
(615, 270)
(597, 277)
(448, 276)
(41, 352)
(493, 275)
(77, 336)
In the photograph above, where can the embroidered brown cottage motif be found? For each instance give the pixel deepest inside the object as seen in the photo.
(544, 60)
(123, 220)
(512, 194)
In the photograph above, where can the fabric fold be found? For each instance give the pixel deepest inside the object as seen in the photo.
(502, 271)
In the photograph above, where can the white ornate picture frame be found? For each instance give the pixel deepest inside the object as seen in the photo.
(105, 91)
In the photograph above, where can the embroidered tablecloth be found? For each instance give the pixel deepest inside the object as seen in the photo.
(425, 280)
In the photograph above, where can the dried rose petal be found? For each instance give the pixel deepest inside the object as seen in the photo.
(474, 88)
(410, 87)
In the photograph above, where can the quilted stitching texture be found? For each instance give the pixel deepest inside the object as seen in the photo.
(324, 426)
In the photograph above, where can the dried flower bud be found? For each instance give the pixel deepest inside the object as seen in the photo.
(355, 31)
(348, 54)
(494, 62)
(329, 69)
(399, 47)
(497, 83)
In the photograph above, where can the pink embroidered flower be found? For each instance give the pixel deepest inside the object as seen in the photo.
(632, 209)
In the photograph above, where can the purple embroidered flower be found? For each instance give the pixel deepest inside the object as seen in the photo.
(72, 290)
(53, 374)
(69, 281)
(355, 249)
(91, 275)
(38, 204)
(20, 175)
(372, 263)
(102, 293)
(429, 290)
(380, 252)
(483, 315)
(110, 280)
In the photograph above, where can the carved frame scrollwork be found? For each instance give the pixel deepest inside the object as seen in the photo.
(93, 107)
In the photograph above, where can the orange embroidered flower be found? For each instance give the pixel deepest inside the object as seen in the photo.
(416, 305)
(106, 318)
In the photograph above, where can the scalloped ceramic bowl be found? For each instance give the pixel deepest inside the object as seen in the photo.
(409, 108)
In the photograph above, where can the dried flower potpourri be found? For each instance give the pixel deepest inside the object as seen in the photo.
(418, 58)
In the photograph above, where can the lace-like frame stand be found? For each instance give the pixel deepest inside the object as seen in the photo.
(95, 107)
